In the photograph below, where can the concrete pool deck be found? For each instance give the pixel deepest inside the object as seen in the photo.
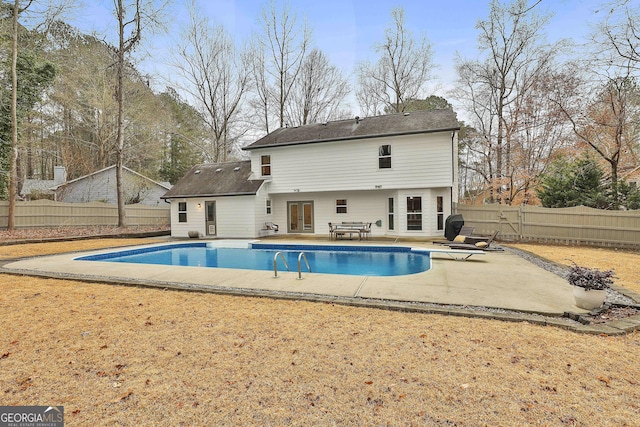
(499, 280)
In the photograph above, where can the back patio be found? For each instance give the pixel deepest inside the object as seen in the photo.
(497, 280)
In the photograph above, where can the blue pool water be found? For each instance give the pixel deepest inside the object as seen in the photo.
(350, 260)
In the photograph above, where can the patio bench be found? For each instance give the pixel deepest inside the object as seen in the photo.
(362, 229)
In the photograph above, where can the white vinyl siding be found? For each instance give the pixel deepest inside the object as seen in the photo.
(260, 212)
(365, 206)
(235, 217)
(423, 160)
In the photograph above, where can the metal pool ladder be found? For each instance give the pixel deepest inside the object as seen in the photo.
(302, 255)
(275, 264)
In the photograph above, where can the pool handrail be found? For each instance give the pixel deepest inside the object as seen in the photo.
(275, 263)
(302, 255)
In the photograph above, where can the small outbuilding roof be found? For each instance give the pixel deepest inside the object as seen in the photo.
(124, 168)
(216, 179)
(369, 127)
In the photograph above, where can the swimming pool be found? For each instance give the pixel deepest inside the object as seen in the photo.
(349, 260)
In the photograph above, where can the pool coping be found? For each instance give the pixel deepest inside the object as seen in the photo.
(378, 293)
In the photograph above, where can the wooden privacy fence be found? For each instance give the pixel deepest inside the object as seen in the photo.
(578, 225)
(49, 214)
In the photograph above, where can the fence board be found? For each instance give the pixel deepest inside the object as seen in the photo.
(50, 214)
(580, 225)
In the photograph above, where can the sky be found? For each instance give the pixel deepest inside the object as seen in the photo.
(347, 30)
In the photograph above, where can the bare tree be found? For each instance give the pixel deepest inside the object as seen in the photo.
(620, 32)
(535, 132)
(132, 16)
(13, 162)
(217, 78)
(285, 44)
(601, 96)
(317, 93)
(477, 146)
(604, 112)
(511, 38)
(401, 72)
(260, 87)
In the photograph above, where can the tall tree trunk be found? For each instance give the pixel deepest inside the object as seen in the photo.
(13, 162)
(120, 99)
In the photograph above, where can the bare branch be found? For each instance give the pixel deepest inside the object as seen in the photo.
(401, 72)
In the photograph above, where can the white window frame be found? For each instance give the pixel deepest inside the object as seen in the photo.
(264, 165)
(440, 213)
(182, 213)
(382, 156)
(341, 206)
(417, 214)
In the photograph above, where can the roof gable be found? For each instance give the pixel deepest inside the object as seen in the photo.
(111, 169)
(216, 179)
(369, 127)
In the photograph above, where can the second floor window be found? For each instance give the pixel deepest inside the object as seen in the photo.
(341, 206)
(384, 157)
(265, 164)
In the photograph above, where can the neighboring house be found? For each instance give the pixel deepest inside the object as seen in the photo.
(100, 186)
(397, 171)
(34, 189)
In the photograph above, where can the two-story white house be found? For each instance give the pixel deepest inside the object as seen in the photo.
(398, 172)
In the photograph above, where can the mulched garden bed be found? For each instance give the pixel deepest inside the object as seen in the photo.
(609, 313)
(34, 235)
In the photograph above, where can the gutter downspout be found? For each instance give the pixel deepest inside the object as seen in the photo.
(453, 169)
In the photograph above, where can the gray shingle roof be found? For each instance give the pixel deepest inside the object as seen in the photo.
(368, 127)
(216, 179)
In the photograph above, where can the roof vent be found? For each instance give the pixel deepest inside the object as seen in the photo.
(406, 114)
(197, 171)
(218, 170)
(237, 168)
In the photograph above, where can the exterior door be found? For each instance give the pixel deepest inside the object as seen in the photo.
(210, 220)
(300, 217)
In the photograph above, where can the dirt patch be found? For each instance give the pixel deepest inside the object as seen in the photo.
(612, 313)
(33, 235)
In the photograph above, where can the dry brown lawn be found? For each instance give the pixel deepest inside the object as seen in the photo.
(115, 355)
(626, 263)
